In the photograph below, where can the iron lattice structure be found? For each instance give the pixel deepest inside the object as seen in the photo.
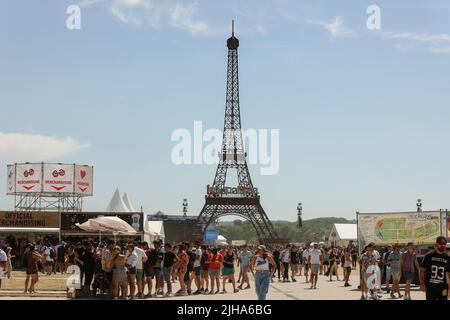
(233, 156)
(42, 202)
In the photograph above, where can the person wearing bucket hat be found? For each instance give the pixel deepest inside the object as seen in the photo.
(260, 265)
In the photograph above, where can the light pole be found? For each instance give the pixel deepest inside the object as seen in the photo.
(299, 214)
(419, 205)
(185, 205)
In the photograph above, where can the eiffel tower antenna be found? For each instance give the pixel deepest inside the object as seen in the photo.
(242, 200)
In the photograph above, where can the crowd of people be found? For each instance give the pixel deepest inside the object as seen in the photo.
(138, 270)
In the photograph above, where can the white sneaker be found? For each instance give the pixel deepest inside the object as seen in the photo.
(375, 297)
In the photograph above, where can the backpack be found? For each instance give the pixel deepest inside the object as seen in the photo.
(52, 253)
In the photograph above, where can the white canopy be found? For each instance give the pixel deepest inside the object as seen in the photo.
(153, 230)
(114, 225)
(344, 231)
(116, 204)
(127, 202)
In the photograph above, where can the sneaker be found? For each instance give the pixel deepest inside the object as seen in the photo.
(405, 298)
(400, 295)
(236, 290)
(216, 292)
(247, 287)
(293, 280)
(196, 293)
(224, 291)
(182, 294)
(189, 292)
(363, 297)
(392, 295)
(148, 295)
(375, 297)
(240, 287)
(168, 295)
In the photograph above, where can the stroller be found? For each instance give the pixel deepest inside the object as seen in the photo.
(100, 285)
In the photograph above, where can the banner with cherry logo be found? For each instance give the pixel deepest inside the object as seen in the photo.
(84, 180)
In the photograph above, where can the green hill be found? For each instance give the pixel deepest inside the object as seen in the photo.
(313, 230)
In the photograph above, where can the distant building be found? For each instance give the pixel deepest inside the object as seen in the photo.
(179, 228)
(343, 234)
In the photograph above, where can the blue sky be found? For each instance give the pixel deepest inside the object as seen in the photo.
(363, 115)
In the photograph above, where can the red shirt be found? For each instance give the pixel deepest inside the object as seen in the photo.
(216, 261)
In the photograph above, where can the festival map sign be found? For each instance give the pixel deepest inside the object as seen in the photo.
(388, 228)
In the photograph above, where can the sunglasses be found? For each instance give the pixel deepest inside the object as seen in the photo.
(442, 243)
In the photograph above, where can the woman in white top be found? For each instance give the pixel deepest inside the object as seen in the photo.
(263, 266)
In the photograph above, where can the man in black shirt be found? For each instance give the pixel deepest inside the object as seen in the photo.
(435, 272)
(88, 263)
(276, 258)
(169, 260)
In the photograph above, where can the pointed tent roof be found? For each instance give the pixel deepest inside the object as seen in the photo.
(127, 202)
(116, 204)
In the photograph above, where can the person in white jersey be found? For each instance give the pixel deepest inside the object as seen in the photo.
(260, 265)
(315, 260)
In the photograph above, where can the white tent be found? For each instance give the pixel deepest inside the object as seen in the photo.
(343, 233)
(153, 230)
(221, 241)
(116, 204)
(127, 202)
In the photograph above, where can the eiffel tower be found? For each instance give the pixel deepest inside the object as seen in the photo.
(244, 200)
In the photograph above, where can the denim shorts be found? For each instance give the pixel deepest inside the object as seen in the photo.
(197, 271)
(167, 273)
(408, 275)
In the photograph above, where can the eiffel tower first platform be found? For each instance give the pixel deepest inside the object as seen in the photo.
(243, 200)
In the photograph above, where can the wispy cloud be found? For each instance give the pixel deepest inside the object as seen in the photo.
(18, 147)
(335, 28)
(435, 43)
(182, 16)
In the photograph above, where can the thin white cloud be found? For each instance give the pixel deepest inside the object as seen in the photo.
(418, 37)
(22, 147)
(435, 43)
(335, 28)
(440, 49)
(182, 17)
(135, 12)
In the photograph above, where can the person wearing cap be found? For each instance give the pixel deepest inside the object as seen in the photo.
(260, 265)
(369, 268)
(435, 272)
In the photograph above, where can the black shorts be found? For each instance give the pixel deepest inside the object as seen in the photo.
(437, 295)
(132, 271)
(187, 276)
(149, 273)
(109, 276)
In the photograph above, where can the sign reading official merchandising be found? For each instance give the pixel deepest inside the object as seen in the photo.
(17, 219)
